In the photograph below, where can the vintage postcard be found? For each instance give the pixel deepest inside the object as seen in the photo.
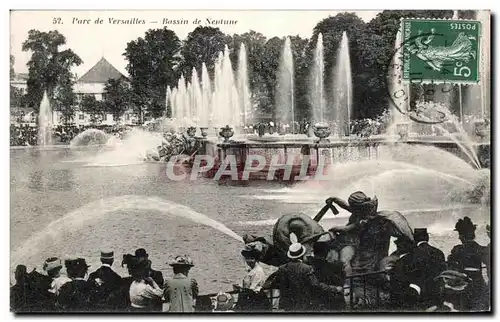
(241, 161)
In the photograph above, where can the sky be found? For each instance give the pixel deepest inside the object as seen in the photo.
(93, 41)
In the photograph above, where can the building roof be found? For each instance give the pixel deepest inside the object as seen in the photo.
(101, 73)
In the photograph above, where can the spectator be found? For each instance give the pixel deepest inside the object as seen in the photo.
(144, 291)
(76, 295)
(181, 291)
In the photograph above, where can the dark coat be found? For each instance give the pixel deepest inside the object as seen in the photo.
(330, 274)
(119, 299)
(157, 276)
(110, 281)
(76, 296)
(429, 263)
(297, 285)
(463, 258)
(404, 297)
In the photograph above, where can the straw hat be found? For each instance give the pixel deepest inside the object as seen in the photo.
(296, 249)
(224, 302)
(107, 254)
(182, 260)
(52, 264)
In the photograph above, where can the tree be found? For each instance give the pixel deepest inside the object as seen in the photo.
(48, 67)
(16, 97)
(65, 99)
(301, 65)
(12, 61)
(118, 97)
(202, 46)
(152, 63)
(269, 69)
(93, 107)
(16, 94)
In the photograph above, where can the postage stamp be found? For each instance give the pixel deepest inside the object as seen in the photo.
(441, 50)
(196, 161)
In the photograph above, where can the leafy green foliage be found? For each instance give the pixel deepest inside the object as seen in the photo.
(49, 68)
(152, 64)
(118, 97)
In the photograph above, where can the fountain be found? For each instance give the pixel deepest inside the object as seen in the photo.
(317, 95)
(342, 98)
(45, 122)
(285, 87)
(243, 86)
(204, 112)
(90, 137)
(73, 221)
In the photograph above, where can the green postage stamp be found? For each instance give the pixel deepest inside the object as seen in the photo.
(441, 51)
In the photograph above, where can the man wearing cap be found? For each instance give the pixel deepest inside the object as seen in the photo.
(180, 291)
(429, 263)
(105, 278)
(297, 283)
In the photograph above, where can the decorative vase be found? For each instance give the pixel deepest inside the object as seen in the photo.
(204, 132)
(226, 132)
(321, 131)
(402, 130)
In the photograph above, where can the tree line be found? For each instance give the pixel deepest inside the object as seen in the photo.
(157, 60)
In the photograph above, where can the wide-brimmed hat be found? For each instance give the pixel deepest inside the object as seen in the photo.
(224, 302)
(296, 250)
(465, 226)
(182, 260)
(51, 264)
(454, 280)
(107, 254)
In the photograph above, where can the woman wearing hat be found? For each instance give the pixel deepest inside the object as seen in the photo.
(53, 268)
(180, 291)
(468, 258)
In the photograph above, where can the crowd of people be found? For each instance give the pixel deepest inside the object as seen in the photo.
(416, 277)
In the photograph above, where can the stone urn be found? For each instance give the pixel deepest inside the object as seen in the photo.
(226, 132)
(480, 130)
(321, 130)
(204, 132)
(402, 130)
(191, 131)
